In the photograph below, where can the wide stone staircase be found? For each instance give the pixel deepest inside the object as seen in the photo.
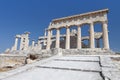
(69, 67)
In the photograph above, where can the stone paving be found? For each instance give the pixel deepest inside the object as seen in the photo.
(68, 68)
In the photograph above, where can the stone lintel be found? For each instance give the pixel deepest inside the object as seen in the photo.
(80, 15)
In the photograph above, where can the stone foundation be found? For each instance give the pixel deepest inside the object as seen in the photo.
(83, 51)
(10, 61)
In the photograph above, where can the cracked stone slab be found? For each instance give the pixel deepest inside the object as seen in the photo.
(112, 75)
(106, 62)
(107, 69)
(24, 68)
(89, 66)
(79, 58)
(110, 67)
(55, 74)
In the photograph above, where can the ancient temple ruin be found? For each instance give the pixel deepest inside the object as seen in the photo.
(64, 56)
(24, 41)
(72, 39)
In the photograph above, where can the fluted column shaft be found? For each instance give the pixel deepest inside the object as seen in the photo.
(67, 38)
(51, 32)
(21, 44)
(92, 39)
(79, 38)
(58, 39)
(105, 36)
(16, 43)
(33, 43)
(39, 44)
(48, 40)
(45, 37)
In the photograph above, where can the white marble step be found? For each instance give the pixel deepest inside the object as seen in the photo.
(55, 74)
(79, 58)
(90, 66)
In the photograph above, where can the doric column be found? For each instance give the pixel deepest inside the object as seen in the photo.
(45, 34)
(51, 33)
(105, 35)
(39, 44)
(16, 43)
(79, 38)
(92, 39)
(67, 38)
(21, 43)
(58, 38)
(33, 43)
(48, 40)
(26, 40)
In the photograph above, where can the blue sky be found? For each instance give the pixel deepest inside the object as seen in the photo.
(18, 16)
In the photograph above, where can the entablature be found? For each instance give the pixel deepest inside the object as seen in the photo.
(76, 20)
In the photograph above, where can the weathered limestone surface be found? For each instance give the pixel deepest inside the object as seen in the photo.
(51, 70)
(11, 60)
(79, 20)
(86, 52)
(111, 67)
(70, 67)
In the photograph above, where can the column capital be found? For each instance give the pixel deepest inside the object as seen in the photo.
(79, 25)
(105, 22)
(67, 26)
(91, 23)
(57, 28)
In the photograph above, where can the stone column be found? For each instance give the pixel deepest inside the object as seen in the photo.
(58, 38)
(21, 43)
(92, 39)
(105, 36)
(79, 38)
(39, 44)
(33, 43)
(27, 44)
(26, 40)
(67, 46)
(45, 34)
(48, 40)
(16, 43)
(51, 32)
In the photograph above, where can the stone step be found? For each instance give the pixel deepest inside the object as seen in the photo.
(91, 66)
(56, 74)
(79, 58)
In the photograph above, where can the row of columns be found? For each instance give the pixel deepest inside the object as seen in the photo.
(24, 43)
(79, 42)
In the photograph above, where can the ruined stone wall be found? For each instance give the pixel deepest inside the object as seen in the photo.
(11, 60)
